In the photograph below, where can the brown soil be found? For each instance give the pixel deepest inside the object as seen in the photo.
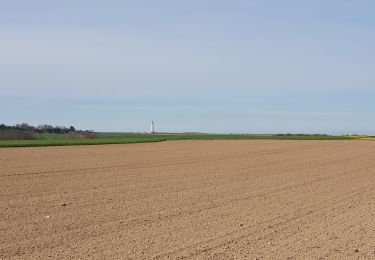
(243, 199)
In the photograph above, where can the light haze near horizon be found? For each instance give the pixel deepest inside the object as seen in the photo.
(243, 66)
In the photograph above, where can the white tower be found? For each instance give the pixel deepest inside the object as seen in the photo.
(152, 130)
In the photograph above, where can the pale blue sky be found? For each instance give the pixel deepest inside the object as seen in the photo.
(243, 66)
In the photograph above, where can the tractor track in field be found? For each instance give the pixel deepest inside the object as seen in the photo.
(161, 164)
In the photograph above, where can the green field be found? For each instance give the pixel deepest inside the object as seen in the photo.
(123, 138)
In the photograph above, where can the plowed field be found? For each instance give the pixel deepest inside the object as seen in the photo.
(241, 199)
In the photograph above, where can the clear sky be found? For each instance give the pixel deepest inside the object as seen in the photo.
(242, 66)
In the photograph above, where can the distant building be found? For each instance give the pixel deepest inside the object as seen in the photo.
(152, 128)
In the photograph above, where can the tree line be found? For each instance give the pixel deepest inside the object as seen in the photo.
(25, 131)
(42, 128)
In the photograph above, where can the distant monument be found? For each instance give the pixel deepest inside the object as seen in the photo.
(152, 128)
